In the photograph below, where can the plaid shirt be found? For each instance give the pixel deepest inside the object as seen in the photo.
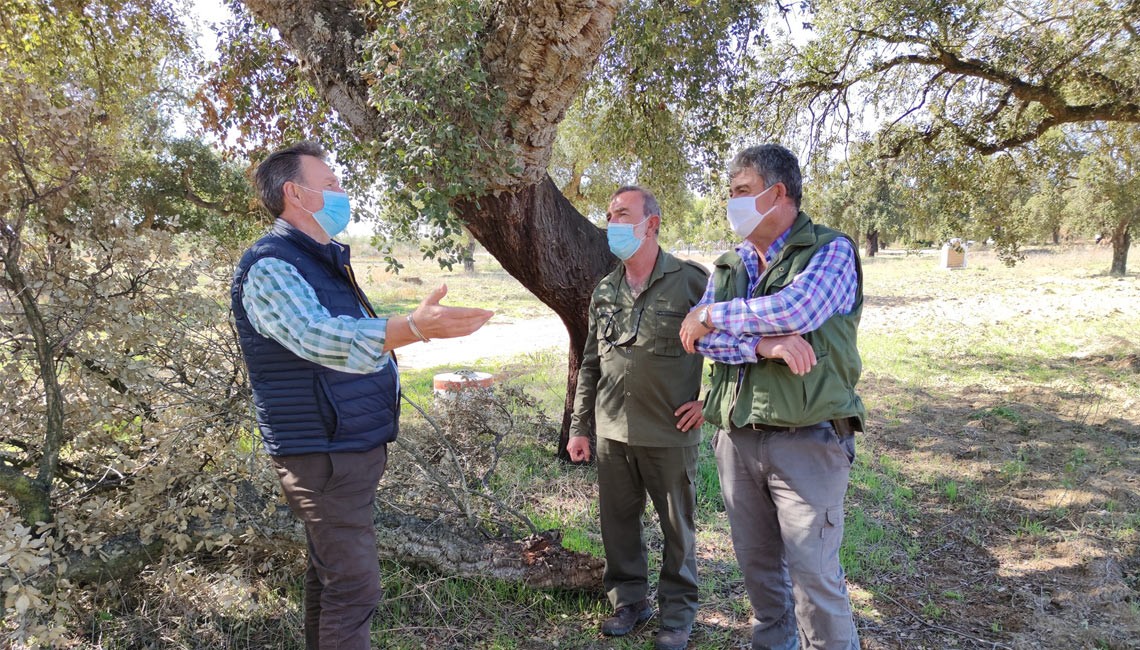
(282, 306)
(825, 287)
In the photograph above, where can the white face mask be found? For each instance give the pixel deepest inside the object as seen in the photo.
(742, 214)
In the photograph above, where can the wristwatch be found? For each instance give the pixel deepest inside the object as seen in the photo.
(703, 317)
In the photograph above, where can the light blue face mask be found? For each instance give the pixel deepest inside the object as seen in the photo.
(622, 239)
(334, 217)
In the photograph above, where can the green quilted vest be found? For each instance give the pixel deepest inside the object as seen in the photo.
(767, 392)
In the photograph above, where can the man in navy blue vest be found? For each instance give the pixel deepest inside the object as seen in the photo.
(325, 388)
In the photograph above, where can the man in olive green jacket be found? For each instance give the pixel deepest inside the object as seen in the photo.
(640, 387)
(779, 319)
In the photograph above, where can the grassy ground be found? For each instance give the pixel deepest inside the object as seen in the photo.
(994, 502)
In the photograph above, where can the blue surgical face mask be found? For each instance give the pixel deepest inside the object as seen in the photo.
(623, 241)
(334, 217)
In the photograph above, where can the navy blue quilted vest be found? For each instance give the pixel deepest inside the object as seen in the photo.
(303, 407)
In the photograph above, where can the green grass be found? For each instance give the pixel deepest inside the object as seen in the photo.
(949, 489)
(1013, 470)
(1030, 528)
(709, 497)
(880, 507)
(541, 375)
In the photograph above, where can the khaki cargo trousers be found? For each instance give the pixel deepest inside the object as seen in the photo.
(783, 491)
(626, 474)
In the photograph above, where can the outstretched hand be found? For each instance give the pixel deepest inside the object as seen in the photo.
(438, 321)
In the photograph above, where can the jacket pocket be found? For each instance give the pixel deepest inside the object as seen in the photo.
(667, 335)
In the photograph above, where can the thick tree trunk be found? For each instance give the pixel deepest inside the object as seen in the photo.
(1121, 242)
(871, 243)
(469, 256)
(555, 253)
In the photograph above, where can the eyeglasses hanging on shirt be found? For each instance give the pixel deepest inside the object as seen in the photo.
(613, 323)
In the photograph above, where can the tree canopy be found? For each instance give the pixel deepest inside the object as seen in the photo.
(982, 74)
(937, 80)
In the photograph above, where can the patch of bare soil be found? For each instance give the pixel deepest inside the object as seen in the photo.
(500, 338)
(1038, 547)
(1025, 530)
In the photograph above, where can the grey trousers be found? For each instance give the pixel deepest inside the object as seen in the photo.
(783, 491)
(625, 474)
(333, 495)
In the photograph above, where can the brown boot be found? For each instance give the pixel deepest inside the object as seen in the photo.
(626, 618)
(673, 638)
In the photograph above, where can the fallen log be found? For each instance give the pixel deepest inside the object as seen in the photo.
(538, 561)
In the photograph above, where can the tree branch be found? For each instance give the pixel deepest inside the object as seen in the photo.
(191, 196)
(325, 35)
(1114, 106)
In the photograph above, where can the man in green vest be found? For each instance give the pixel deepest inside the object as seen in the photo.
(779, 320)
(640, 388)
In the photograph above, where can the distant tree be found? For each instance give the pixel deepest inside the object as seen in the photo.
(182, 184)
(862, 195)
(1049, 170)
(1106, 199)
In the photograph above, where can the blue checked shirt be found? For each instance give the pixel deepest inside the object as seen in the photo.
(282, 306)
(827, 286)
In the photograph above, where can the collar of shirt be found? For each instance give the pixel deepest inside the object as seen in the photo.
(750, 255)
(663, 264)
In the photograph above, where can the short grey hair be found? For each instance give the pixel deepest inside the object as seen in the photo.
(278, 168)
(774, 164)
(649, 202)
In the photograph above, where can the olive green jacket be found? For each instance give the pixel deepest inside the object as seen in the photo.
(767, 392)
(634, 372)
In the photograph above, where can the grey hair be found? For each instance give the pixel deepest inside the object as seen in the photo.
(774, 164)
(649, 202)
(278, 168)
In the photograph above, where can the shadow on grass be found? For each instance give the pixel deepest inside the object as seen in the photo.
(1005, 517)
(871, 301)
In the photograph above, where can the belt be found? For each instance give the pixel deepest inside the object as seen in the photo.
(768, 427)
(843, 427)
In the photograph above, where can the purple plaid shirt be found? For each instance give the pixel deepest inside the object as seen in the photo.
(825, 287)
